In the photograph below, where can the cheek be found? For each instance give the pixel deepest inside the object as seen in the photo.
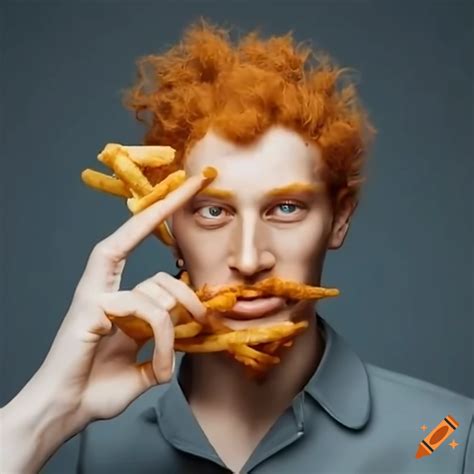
(303, 243)
(201, 248)
(205, 259)
(207, 248)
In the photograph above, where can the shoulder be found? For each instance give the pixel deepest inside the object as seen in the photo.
(394, 387)
(128, 442)
(406, 409)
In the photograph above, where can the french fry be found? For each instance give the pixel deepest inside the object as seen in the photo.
(220, 342)
(170, 183)
(271, 347)
(134, 193)
(152, 156)
(295, 290)
(131, 174)
(136, 328)
(105, 183)
(187, 330)
(139, 185)
(143, 156)
(108, 154)
(180, 315)
(215, 324)
(270, 286)
(248, 361)
(247, 351)
(221, 302)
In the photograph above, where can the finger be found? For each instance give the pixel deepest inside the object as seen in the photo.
(157, 293)
(139, 226)
(127, 303)
(105, 265)
(182, 293)
(161, 297)
(147, 375)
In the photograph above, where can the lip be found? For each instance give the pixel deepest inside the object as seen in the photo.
(256, 308)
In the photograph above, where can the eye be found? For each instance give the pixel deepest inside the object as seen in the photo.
(211, 212)
(288, 209)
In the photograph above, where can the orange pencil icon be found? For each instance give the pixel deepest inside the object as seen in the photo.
(437, 436)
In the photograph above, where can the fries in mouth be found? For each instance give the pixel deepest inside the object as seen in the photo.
(143, 175)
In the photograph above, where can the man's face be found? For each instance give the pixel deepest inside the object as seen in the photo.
(267, 214)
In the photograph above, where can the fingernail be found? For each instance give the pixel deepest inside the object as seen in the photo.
(174, 363)
(209, 174)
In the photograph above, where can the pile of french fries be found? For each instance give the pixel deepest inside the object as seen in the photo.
(145, 174)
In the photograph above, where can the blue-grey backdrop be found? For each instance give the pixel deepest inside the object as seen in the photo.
(405, 271)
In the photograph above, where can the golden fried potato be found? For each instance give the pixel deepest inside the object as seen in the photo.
(153, 156)
(247, 351)
(187, 330)
(108, 154)
(131, 174)
(161, 190)
(220, 342)
(105, 183)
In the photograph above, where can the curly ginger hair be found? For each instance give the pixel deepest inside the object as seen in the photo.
(240, 90)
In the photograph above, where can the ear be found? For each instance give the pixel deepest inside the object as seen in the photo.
(344, 208)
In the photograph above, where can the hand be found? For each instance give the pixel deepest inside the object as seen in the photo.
(92, 365)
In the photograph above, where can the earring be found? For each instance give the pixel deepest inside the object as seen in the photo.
(180, 263)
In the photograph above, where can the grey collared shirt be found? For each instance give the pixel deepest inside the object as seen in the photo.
(351, 417)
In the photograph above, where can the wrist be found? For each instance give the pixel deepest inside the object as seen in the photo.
(34, 425)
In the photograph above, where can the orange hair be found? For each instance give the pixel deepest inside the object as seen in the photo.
(240, 90)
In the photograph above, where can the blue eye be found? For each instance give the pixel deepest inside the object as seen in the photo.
(289, 208)
(214, 211)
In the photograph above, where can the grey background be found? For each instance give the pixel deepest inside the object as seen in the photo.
(405, 271)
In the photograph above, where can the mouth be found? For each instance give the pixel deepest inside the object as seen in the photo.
(251, 308)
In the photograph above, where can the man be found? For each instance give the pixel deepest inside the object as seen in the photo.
(289, 148)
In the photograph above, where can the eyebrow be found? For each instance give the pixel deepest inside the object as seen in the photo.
(292, 188)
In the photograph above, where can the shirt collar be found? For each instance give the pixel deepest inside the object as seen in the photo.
(339, 385)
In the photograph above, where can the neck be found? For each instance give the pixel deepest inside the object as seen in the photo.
(217, 383)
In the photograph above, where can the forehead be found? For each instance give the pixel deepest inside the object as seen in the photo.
(278, 157)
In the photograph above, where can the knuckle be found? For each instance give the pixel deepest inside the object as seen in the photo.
(102, 249)
(156, 293)
(167, 303)
(142, 284)
(123, 293)
(161, 276)
(160, 315)
(141, 288)
(178, 287)
(106, 251)
(148, 300)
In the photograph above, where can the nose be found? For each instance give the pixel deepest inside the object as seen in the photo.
(248, 257)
